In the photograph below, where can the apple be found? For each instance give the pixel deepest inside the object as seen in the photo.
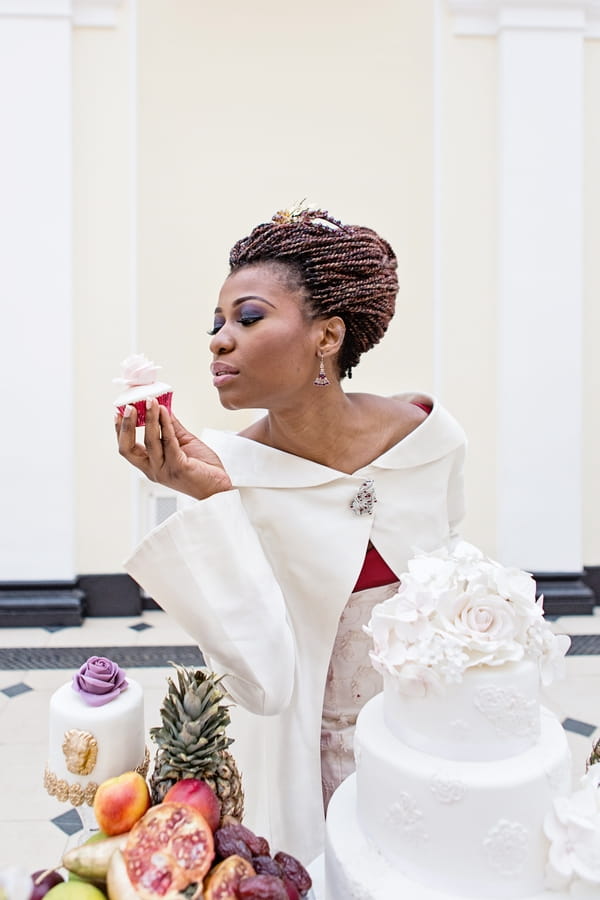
(75, 890)
(200, 795)
(43, 880)
(120, 802)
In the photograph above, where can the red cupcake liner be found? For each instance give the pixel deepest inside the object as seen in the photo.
(140, 406)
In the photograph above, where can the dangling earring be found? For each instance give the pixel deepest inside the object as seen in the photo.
(321, 378)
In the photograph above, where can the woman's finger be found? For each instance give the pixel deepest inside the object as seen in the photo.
(133, 452)
(152, 435)
(170, 444)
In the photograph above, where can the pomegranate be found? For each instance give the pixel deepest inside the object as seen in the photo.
(222, 881)
(168, 851)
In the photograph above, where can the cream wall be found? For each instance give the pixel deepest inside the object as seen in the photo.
(104, 292)
(467, 205)
(195, 121)
(591, 333)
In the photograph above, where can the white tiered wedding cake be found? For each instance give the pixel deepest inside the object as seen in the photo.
(462, 784)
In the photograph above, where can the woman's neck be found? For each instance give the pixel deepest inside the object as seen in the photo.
(342, 431)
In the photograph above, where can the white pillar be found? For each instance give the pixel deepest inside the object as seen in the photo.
(36, 333)
(540, 290)
(540, 271)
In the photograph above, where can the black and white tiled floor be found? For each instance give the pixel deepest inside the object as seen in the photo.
(36, 828)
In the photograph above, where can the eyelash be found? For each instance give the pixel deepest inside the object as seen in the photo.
(243, 320)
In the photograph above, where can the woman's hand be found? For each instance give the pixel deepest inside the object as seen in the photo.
(170, 455)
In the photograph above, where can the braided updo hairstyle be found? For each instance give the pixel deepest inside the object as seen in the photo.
(344, 270)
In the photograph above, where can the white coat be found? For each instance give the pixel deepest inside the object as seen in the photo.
(259, 575)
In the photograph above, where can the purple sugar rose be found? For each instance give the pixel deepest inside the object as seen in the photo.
(99, 681)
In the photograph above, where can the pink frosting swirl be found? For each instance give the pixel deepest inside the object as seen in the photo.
(99, 681)
(137, 370)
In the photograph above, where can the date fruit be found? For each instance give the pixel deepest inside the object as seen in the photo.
(226, 845)
(294, 870)
(266, 865)
(292, 891)
(229, 838)
(262, 887)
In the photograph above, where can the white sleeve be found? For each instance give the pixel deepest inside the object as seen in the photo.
(206, 568)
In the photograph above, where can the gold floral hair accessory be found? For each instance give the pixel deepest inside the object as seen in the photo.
(305, 213)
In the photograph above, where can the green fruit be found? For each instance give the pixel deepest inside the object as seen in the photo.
(75, 890)
(97, 836)
(89, 861)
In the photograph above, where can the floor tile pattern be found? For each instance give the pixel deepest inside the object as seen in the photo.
(578, 727)
(70, 657)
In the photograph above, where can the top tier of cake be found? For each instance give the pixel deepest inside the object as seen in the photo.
(462, 647)
(493, 714)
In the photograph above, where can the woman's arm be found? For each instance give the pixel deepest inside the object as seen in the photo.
(206, 568)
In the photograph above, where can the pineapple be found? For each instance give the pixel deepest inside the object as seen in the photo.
(594, 756)
(192, 740)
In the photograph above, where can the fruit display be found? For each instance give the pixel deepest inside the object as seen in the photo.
(179, 837)
(192, 740)
(173, 853)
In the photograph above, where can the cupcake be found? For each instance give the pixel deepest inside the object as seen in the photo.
(139, 377)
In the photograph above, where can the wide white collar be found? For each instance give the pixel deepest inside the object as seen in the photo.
(251, 464)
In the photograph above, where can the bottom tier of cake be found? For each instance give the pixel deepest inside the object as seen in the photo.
(355, 870)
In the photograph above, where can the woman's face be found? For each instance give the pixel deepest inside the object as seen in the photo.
(264, 344)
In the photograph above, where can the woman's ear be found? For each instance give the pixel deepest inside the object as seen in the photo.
(332, 336)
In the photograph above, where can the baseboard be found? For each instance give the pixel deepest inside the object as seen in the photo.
(40, 603)
(566, 593)
(61, 603)
(111, 594)
(65, 603)
(591, 577)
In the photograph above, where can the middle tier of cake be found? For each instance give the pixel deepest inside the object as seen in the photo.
(474, 829)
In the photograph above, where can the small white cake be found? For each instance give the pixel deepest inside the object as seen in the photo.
(94, 734)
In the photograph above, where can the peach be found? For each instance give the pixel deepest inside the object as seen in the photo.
(120, 802)
(200, 795)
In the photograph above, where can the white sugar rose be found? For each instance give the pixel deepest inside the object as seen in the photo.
(486, 626)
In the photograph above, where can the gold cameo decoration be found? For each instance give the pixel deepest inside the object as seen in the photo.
(81, 751)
